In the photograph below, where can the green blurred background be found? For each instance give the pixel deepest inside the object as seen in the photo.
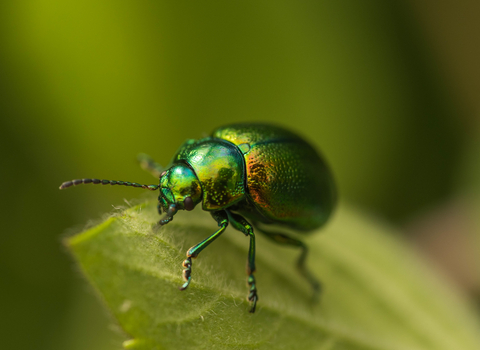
(387, 90)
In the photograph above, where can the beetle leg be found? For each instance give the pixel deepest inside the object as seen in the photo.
(222, 219)
(286, 240)
(239, 223)
(148, 164)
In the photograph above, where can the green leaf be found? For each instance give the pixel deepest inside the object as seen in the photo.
(377, 293)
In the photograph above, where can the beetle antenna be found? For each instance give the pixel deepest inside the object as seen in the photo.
(106, 182)
(148, 164)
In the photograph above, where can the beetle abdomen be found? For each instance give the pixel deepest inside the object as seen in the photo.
(286, 179)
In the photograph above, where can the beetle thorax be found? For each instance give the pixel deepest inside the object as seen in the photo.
(176, 185)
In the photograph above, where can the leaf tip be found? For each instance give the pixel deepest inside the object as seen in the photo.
(79, 238)
(133, 344)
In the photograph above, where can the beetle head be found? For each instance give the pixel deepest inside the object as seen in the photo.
(179, 189)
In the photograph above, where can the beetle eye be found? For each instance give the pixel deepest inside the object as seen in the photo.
(188, 203)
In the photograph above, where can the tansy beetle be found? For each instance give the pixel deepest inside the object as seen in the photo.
(246, 175)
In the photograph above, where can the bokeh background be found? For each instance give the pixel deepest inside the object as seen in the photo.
(387, 90)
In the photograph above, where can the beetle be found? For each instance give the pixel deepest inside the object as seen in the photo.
(246, 175)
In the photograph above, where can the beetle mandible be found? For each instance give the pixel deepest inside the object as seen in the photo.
(259, 172)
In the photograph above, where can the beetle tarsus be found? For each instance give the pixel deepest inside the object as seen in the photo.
(222, 220)
(187, 264)
(165, 220)
(252, 295)
(317, 290)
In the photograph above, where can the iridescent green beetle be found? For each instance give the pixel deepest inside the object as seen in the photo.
(259, 172)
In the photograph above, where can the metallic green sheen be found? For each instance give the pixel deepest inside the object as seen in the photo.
(287, 181)
(220, 168)
(178, 182)
(262, 172)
